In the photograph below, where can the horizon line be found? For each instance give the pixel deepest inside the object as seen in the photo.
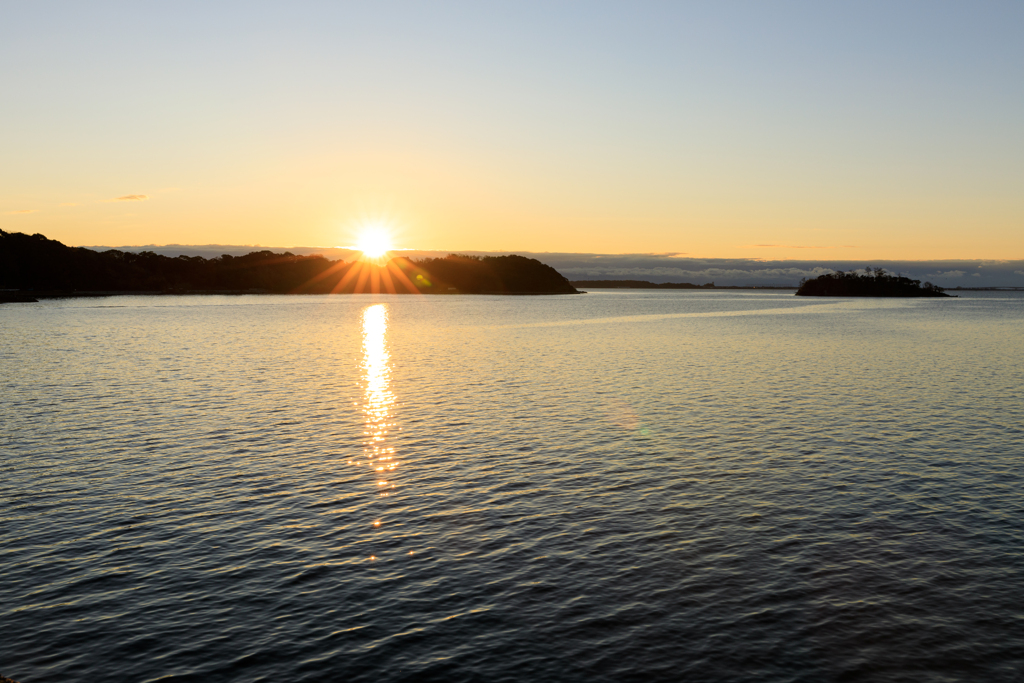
(661, 254)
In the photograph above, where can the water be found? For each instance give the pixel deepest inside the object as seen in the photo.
(626, 485)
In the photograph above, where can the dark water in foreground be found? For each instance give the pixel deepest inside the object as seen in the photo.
(621, 486)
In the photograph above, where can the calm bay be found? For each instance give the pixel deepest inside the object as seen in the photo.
(625, 485)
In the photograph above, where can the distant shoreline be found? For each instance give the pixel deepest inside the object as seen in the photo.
(644, 284)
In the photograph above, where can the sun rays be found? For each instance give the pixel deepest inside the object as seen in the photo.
(374, 241)
(373, 269)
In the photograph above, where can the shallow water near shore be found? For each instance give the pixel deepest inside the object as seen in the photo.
(627, 485)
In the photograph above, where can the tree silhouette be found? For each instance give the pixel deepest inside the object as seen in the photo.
(873, 282)
(35, 263)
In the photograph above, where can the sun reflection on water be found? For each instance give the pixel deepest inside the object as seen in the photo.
(378, 399)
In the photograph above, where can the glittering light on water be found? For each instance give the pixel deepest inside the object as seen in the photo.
(378, 399)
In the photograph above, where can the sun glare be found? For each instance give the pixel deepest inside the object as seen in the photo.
(374, 242)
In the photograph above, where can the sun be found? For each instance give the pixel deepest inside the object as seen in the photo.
(374, 241)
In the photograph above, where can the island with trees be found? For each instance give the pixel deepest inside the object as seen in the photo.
(873, 282)
(32, 267)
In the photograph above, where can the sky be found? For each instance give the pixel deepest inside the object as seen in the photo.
(731, 130)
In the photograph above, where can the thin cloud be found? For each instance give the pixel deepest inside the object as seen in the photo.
(782, 246)
(22, 211)
(792, 273)
(797, 246)
(130, 198)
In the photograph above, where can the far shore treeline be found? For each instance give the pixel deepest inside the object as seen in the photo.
(644, 284)
(637, 284)
(40, 266)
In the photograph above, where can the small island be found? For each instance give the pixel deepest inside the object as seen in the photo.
(873, 282)
(34, 267)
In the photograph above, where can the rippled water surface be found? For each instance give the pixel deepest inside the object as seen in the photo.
(621, 486)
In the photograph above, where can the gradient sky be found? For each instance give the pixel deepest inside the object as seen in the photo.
(804, 130)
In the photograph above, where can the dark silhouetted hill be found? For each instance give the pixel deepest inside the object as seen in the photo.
(33, 263)
(876, 282)
(492, 274)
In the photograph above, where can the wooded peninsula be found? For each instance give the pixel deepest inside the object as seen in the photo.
(34, 266)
